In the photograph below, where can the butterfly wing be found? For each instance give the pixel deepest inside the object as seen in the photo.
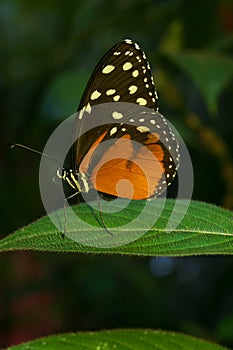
(138, 140)
(145, 157)
(122, 75)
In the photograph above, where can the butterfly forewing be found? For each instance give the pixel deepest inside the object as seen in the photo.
(137, 138)
(122, 75)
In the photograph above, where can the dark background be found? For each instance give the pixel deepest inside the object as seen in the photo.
(47, 51)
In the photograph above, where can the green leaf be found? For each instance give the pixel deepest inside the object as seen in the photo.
(137, 339)
(205, 229)
(210, 71)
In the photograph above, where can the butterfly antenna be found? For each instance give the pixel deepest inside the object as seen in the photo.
(13, 145)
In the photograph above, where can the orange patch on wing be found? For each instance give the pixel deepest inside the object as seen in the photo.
(128, 172)
(86, 161)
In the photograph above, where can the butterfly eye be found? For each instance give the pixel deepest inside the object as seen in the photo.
(60, 175)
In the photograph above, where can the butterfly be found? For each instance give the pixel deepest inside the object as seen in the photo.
(126, 148)
(142, 152)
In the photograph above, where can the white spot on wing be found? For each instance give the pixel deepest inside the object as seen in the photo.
(116, 98)
(95, 94)
(142, 128)
(141, 101)
(127, 65)
(132, 89)
(135, 73)
(108, 69)
(110, 92)
(81, 113)
(88, 108)
(113, 130)
(117, 115)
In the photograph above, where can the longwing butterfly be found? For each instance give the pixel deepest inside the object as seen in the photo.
(142, 149)
(142, 152)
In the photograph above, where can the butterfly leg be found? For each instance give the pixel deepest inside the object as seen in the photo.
(66, 204)
(65, 214)
(102, 218)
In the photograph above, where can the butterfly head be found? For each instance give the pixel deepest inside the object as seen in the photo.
(77, 180)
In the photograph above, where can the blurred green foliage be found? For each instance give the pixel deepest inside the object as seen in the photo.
(48, 51)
